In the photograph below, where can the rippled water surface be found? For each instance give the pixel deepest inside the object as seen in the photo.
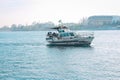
(25, 56)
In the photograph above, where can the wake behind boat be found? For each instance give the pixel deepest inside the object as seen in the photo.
(65, 37)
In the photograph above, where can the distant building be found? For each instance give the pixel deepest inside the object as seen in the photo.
(103, 20)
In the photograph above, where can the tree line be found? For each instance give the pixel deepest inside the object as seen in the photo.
(36, 26)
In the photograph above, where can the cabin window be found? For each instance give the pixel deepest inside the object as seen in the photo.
(64, 34)
(71, 34)
(60, 30)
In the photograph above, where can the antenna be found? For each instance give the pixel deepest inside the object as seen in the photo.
(60, 23)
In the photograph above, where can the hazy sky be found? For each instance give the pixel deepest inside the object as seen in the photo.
(27, 11)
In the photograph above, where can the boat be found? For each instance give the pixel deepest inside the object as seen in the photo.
(66, 37)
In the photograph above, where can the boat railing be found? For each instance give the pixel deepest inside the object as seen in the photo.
(85, 34)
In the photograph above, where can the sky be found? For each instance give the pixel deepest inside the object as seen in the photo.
(28, 11)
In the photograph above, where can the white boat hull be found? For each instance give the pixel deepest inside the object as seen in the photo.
(80, 41)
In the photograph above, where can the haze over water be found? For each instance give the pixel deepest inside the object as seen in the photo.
(25, 56)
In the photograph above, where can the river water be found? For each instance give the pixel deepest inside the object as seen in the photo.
(25, 56)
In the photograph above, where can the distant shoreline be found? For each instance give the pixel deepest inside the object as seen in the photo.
(48, 25)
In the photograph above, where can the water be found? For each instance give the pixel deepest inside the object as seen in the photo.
(25, 56)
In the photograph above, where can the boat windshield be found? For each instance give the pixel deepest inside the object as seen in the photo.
(61, 30)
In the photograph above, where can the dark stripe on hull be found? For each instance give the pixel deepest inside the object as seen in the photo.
(81, 43)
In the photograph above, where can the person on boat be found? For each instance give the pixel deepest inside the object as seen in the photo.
(55, 34)
(49, 34)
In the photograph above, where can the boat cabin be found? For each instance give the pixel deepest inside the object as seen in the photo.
(61, 35)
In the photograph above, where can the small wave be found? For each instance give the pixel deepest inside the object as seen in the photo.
(21, 44)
